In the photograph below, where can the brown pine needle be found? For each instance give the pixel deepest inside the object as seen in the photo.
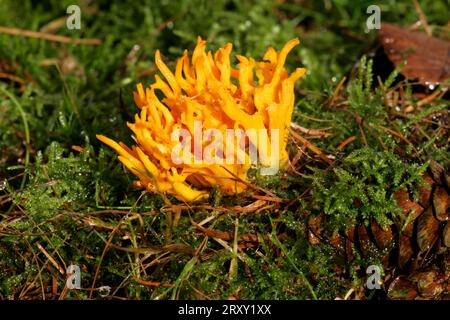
(269, 199)
(309, 145)
(50, 258)
(395, 133)
(225, 235)
(48, 36)
(361, 130)
(431, 97)
(337, 90)
(151, 283)
(312, 132)
(12, 78)
(346, 142)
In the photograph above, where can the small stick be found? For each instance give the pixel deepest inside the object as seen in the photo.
(48, 36)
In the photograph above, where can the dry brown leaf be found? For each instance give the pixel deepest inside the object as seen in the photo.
(428, 58)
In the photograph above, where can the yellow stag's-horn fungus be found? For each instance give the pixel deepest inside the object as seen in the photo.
(207, 92)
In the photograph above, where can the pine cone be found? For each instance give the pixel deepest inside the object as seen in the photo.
(423, 255)
(415, 250)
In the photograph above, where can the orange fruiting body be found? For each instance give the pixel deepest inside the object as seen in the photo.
(209, 92)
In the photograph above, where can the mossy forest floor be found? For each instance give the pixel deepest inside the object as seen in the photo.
(66, 200)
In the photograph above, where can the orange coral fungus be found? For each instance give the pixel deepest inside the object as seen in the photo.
(204, 100)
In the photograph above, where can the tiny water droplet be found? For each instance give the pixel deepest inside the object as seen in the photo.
(430, 85)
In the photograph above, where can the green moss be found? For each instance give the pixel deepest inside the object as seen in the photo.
(72, 202)
(362, 188)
